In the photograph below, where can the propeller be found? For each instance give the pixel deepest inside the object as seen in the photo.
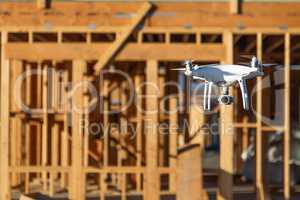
(264, 65)
(187, 69)
(244, 63)
(188, 80)
(256, 62)
(247, 56)
(269, 65)
(178, 69)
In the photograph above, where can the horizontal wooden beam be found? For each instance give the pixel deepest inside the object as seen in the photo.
(124, 169)
(214, 29)
(176, 52)
(37, 169)
(167, 14)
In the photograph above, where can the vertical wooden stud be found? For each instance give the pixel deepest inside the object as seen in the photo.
(122, 135)
(86, 131)
(189, 172)
(226, 137)
(152, 186)
(196, 121)
(45, 126)
(65, 133)
(139, 116)
(234, 6)
(85, 124)
(287, 118)
(42, 4)
(39, 106)
(161, 134)
(4, 135)
(77, 190)
(105, 107)
(54, 155)
(27, 125)
(173, 118)
(16, 70)
(245, 134)
(261, 192)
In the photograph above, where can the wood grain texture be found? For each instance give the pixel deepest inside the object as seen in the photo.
(131, 52)
(4, 116)
(151, 179)
(225, 182)
(121, 39)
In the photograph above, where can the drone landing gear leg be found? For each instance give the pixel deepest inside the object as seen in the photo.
(207, 95)
(244, 93)
(204, 97)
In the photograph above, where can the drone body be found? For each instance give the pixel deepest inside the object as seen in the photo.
(225, 76)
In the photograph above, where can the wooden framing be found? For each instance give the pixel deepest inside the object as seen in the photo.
(151, 179)
(197, 135)
(60, 144)
(4, 137)
(130, 52)
(237, 125)
(226, 170)
(173, 120)
(189, 178)
(234, 6)
(45, 124)
(168, 10)
(65, 132)
(113, 49)
(16, 70)
(287, 117)
(27, 125)
(139, 138)
(106, 137)
(41, 3)
(261, 192)
(77, 189)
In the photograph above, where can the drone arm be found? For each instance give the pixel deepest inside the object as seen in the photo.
(244, 92)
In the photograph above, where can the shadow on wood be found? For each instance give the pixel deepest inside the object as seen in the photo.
(189, 173)
(35, 196)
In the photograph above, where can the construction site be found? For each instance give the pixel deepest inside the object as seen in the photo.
(91, 110)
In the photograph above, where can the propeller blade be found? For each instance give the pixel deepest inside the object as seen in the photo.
(246, 56)
(244, 63)
(269, 65)
(178, 69)
(278, 67)
(208, 65)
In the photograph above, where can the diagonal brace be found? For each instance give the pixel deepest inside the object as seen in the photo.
(120, 41)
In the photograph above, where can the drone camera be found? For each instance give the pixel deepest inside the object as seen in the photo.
(225, 99)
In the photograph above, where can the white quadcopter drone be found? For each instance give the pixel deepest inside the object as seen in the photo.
(225, 76)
